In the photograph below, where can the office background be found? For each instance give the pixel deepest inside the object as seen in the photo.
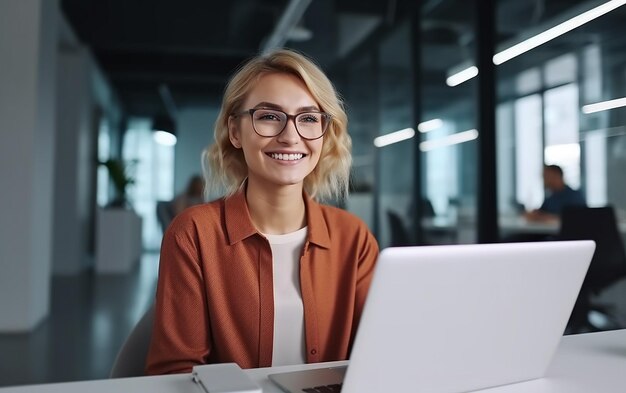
(83, 82)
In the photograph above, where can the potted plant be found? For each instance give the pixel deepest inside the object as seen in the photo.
(121, 179)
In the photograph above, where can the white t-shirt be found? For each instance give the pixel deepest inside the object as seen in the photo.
(288, 309)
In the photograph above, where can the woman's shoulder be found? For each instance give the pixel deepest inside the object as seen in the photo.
(348, 231)
(199, 216)
(339, 217)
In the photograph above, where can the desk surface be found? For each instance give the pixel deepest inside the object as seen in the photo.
(517, 224)
(594, 362)
(507, 223)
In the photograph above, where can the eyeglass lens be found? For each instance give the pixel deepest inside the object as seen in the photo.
(267, 122)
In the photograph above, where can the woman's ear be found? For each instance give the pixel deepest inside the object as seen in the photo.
(233, 133)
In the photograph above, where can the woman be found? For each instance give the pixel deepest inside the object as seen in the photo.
(267, 276)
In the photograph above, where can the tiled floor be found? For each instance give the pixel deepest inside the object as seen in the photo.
(89, 319)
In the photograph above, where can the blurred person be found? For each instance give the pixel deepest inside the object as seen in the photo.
(193, 195)
(560, 195)
(267, 275)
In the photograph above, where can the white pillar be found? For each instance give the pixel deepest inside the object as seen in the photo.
(28, 44)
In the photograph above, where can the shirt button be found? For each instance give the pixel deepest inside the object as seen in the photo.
(313, 351)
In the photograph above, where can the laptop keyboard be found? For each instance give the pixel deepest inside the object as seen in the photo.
(324, 389)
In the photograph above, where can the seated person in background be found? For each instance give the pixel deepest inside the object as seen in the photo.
(191, 196)
(267, 275)
(561, 195)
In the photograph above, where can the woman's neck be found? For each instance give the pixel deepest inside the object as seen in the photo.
(277, 211)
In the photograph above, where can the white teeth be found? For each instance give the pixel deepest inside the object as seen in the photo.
(286, 157)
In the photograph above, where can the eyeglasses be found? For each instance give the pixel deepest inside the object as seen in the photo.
(271, 122)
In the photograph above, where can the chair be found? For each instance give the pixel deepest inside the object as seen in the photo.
(428, 211)
(607, 266)
(131, 359)
(399, 234)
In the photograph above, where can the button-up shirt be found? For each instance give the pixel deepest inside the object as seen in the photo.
(214, 301)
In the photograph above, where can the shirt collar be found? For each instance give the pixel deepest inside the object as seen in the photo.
(237, 217)
(318, 227)
(239, 225)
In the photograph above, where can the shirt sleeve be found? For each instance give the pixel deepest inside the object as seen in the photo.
(181, 331)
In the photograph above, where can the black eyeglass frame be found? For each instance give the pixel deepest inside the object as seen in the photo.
(327, 116)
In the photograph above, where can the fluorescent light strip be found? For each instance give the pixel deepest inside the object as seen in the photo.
(604, 105)
(556, 31)
(429, 125)
(394, 137)
(462, 76)
(539, 39)
(449, 140)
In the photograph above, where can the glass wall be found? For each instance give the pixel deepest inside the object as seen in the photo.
(359, 88)
(449, 132)
(395, 158)
(548, 112)
(545, 103)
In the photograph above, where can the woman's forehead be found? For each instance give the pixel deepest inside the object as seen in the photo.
(283, 91)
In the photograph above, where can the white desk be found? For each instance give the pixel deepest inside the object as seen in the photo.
(584, 363)
(515, 224)
(508, 224)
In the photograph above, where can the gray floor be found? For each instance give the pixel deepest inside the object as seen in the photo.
(89, 319)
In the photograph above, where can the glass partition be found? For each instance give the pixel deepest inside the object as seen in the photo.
(449, 105)
(394, 145)
(550, 104)
(358, 86)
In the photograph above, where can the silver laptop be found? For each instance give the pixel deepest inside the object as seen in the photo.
(459, 318)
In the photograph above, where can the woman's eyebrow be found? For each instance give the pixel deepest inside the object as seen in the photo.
(270, 105)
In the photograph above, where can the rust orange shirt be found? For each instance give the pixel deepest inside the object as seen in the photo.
(214, 301)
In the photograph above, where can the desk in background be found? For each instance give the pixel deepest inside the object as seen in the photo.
(594, 362)
(509, 225)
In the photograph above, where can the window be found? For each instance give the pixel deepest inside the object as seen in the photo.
(154, 176)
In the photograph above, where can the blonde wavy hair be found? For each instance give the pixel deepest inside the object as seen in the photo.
(225, 166)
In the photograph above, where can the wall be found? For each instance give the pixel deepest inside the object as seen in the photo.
(83, 95)
(27, 121)
(194, 132)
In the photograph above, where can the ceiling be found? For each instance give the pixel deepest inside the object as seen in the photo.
(162, 52)
(183, 51)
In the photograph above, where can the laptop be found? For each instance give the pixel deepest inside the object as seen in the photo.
(458, 318)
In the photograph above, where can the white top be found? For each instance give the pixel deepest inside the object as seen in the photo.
(288, 309)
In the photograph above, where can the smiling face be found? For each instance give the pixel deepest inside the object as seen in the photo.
(286, 159)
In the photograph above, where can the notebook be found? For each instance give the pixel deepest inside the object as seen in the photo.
(459, 318)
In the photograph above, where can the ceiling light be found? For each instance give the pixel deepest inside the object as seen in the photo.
(429, 125)
(164, 138)
(164, 130)
(604, 105)
(462, 76)
(556, 31)
(449, 140)
(539, 39)
(394, 137)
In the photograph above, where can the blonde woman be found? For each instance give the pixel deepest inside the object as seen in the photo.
(267, 276)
